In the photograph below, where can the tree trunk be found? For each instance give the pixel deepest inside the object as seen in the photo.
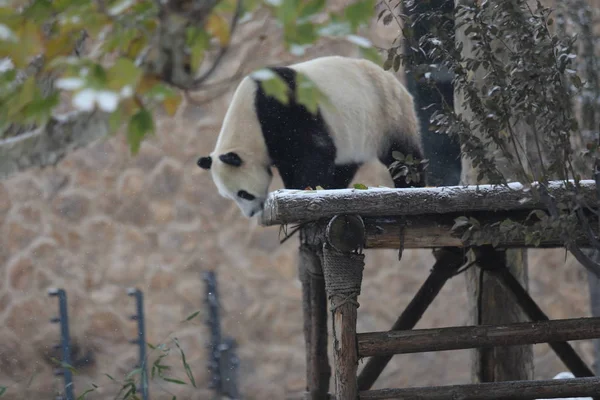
(489, 302)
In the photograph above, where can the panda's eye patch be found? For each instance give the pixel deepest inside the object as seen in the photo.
(245, 195)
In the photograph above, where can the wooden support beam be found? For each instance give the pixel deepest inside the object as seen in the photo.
(470, 337)
(314, 305)
(449, 260)
(507, 390)
(563, 350)
(296, 206)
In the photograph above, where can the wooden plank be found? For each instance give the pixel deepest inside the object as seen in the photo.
(295, 206)
(469, 337)
(434, 231)
(508, 390)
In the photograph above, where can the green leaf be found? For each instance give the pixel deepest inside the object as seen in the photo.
(398, 156)
(540, 214)
(97, 78)
(188, 370)
(171, 104)
(576, 81)
(3, 390)
(39, 10)
(177, 381)
(192, 316)
(307, 93)
(360, 12)
(139, 126)
(305, 34)
(311, 7)
(161, 91)
(218, 27)
(198, 41)
(506, 226)
(287, 11)
(115, 120)
(387, 64)
(397, 60)
(123, 73)
(360, 186)
(133, 372)
(273, 85)
(39, 110)
(460, 222)
(25, 95)
(92, 389)
(371, 54)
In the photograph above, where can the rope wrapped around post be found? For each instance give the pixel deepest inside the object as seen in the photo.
(343, 276)
(343, 265)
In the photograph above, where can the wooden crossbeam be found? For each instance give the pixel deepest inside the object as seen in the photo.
(510, 390)
(433, 231)
(470, 337)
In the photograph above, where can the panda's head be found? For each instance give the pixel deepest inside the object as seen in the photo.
(240, 179)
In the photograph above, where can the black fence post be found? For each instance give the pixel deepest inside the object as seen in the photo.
(140, 340)
(65, 342)
(223, 361)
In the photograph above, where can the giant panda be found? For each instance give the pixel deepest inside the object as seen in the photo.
(368, 115)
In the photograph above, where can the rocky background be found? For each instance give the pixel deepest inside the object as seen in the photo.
(102, 221)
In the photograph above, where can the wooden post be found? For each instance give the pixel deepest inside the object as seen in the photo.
(314, 305)
(342, 267)
(493, 304)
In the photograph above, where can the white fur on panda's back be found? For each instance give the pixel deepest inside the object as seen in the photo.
(370, 104)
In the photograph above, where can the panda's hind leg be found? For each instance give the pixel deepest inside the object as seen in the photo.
(388, 159)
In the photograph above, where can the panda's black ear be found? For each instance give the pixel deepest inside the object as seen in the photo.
(231, 158)
(204, 162)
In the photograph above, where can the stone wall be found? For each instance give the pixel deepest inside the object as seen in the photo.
(103, 220)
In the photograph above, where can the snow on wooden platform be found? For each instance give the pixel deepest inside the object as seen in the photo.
(295, 206)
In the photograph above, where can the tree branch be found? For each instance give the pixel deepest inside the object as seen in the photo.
(49, 144)
(22, 147)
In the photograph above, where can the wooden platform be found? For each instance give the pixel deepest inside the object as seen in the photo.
(337, 225)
